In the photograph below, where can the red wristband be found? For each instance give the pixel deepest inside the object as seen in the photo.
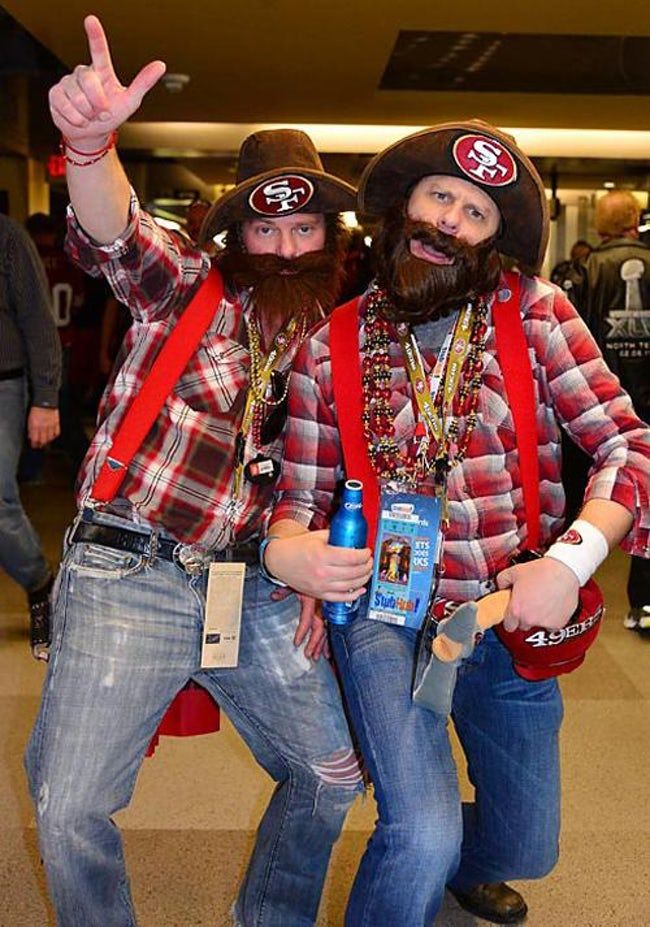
(92, 156)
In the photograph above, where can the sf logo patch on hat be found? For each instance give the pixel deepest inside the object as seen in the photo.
(485, 160)
(281, 195)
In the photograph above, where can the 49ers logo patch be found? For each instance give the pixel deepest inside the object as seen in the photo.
(282, 195)
(485, 160)
(459, 346)
(570, 537)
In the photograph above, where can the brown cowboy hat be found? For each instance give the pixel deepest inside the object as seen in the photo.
(483, 155)
(279, 173)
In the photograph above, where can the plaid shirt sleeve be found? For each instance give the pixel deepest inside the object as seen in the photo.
(149, 269)
(312, 463)
(597, 413)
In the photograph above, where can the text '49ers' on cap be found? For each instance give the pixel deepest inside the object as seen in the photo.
(540, 653)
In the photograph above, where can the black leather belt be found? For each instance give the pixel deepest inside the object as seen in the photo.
(12, 374)
(188, 557)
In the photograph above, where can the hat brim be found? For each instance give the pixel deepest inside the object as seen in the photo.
(390, 175)
(331, 195)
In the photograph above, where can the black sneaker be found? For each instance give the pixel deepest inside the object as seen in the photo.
(40, 633)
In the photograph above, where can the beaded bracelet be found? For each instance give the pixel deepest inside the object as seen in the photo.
(92, 156)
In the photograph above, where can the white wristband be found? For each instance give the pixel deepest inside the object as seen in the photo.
(582, 548)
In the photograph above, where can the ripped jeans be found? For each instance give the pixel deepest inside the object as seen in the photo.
(127, 637)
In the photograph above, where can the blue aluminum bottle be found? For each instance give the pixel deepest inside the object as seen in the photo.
(348, 529)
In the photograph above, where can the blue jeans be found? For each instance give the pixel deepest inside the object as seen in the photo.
(422, 841)
(21, 555)
(127, 637)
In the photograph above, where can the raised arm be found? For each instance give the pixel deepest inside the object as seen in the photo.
(88, 106)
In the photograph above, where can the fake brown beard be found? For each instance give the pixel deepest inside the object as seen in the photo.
(419, 291)
(284, 289)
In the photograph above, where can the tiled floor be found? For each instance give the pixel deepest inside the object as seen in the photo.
(191, 823)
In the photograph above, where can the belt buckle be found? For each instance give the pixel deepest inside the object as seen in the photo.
(191, 559)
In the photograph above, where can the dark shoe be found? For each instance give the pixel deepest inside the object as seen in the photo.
(493, 901)
(40, 634)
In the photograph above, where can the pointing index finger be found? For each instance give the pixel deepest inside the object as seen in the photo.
(98, 44)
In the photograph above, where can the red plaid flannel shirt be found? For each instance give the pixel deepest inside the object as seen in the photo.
(573, 388)
(181, 478)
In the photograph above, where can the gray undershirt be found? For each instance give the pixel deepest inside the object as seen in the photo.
(431, 335)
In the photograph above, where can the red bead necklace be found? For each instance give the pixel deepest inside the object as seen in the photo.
(389, 461)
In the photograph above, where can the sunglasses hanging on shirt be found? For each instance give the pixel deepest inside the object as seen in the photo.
(263, 469)
(275, 416)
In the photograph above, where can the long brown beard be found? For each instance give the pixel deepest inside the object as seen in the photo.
(285, 289)
(420, 291)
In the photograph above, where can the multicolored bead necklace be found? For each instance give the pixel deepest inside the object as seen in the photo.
(389, 461)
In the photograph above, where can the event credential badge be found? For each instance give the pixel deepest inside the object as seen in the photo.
(222, 622)
(407, 551)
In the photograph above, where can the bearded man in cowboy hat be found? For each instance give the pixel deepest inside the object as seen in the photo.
(131, 593)
(433, 431)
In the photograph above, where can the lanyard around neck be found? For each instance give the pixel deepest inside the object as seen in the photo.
(446, 372)
(261, 368)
